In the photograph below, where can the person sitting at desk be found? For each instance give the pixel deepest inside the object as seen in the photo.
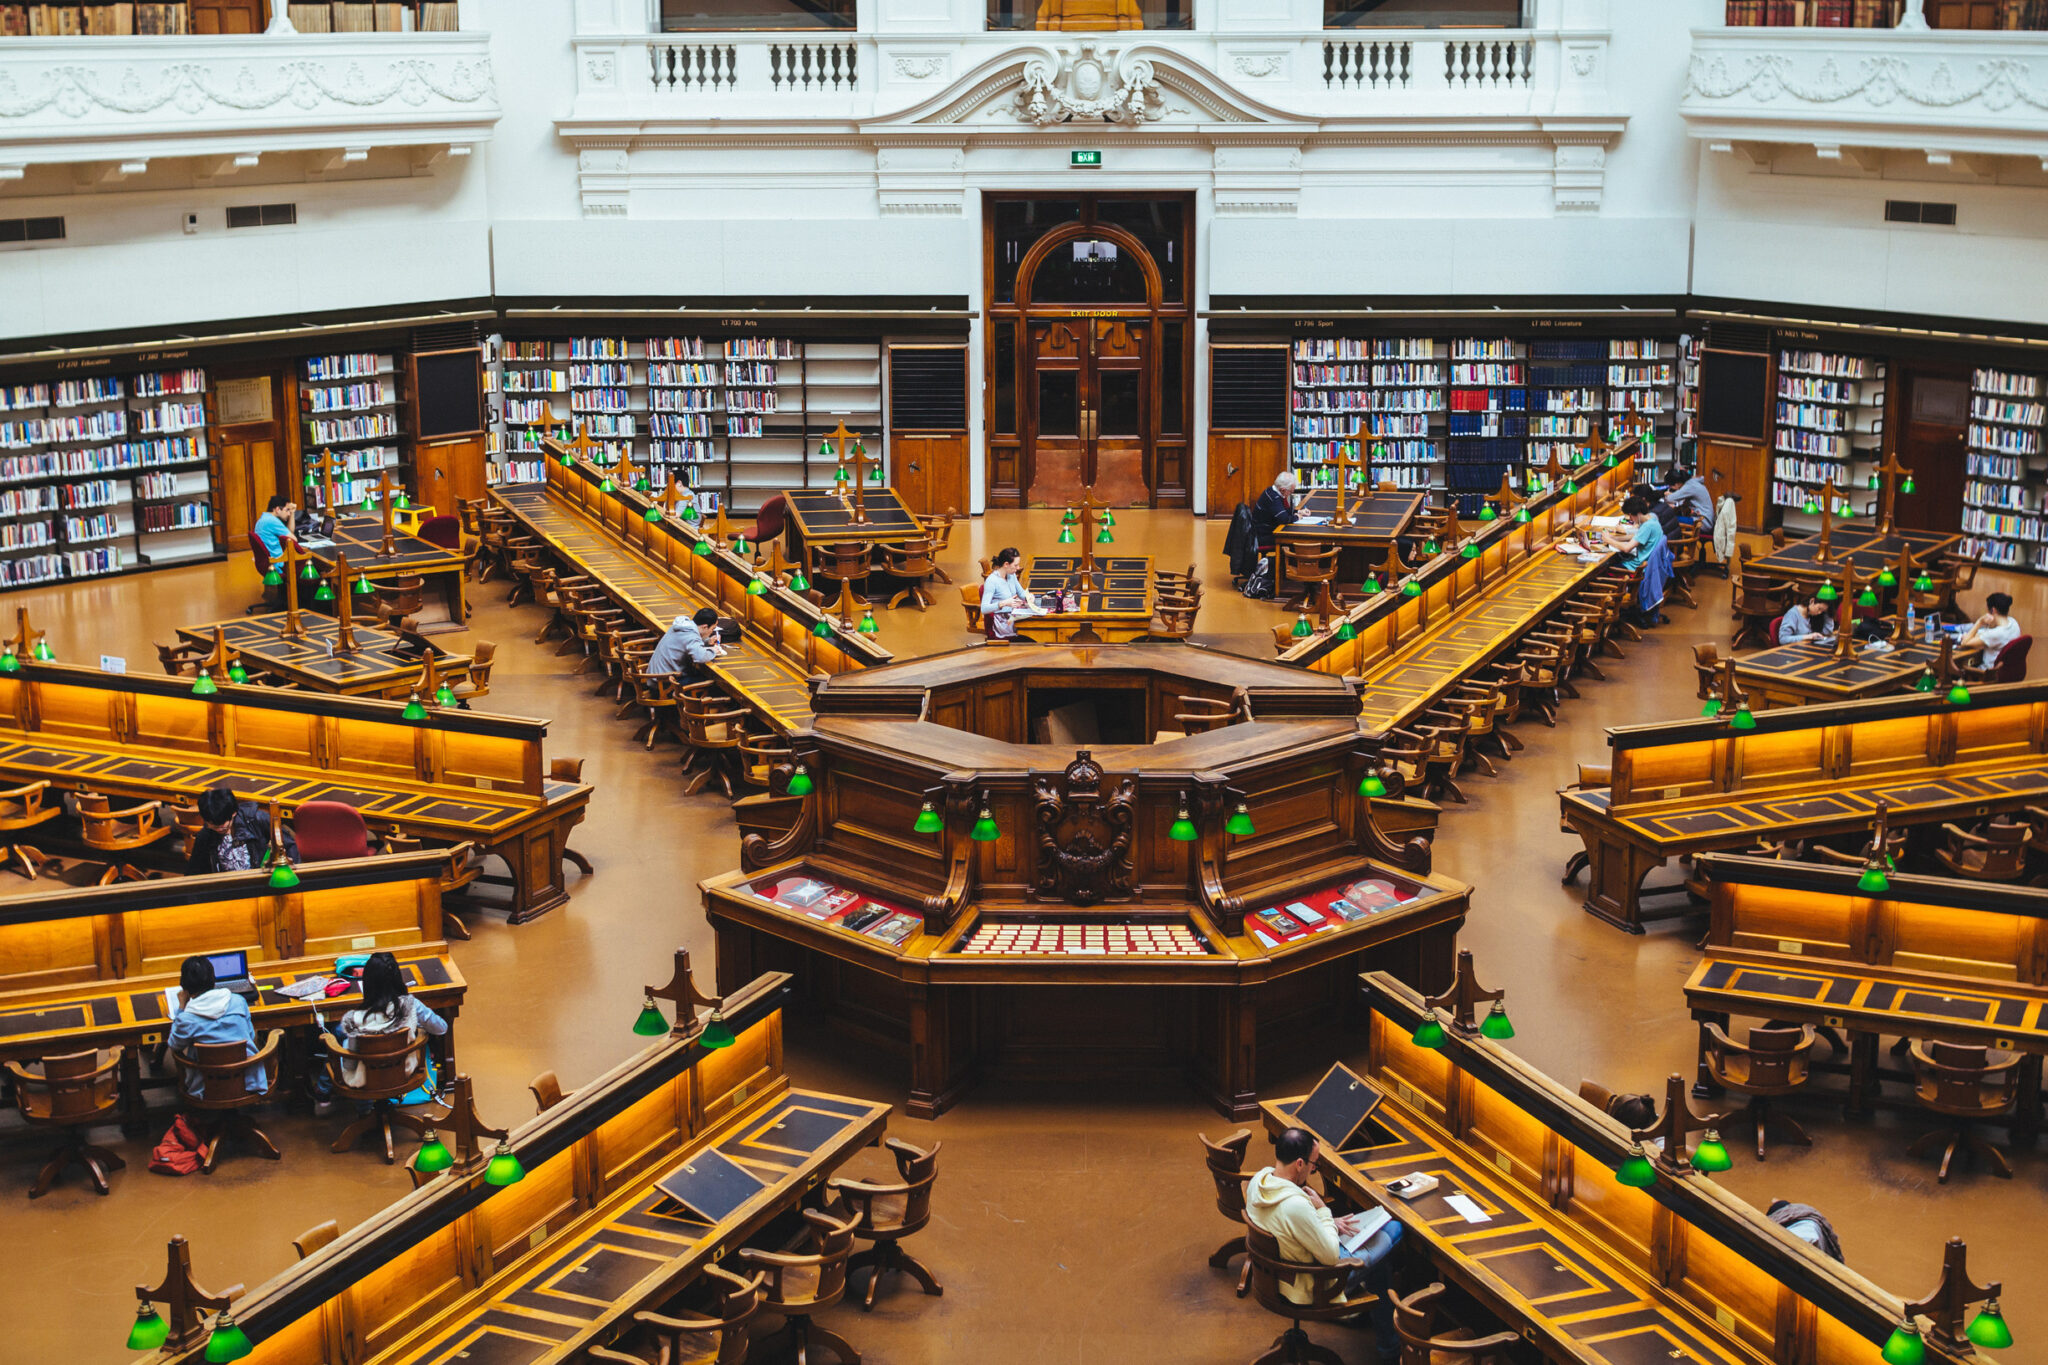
(1685, 490)
(1803, 619)
(689, 643)
(1808, 1224)
(237, 834)
(1643, 548)
(274, 527)
(1275, 508)
(387, 1008)
(211, 1014)
(1003, 598)
(1994, 630)
(1279, 1202)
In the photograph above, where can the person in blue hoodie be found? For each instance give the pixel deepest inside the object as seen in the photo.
(212, 1014)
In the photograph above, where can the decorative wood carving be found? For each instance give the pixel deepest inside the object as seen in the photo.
(959, 802)
(1084, 834)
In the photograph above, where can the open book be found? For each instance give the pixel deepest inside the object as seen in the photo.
(1369, 1222)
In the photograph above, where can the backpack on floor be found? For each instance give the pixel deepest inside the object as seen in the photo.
(1259, 583)
(178, 1153)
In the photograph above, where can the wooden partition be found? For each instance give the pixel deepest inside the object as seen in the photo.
(1584, 1267)
(463, 1269)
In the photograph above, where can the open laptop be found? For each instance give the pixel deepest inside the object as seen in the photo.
(231, 972)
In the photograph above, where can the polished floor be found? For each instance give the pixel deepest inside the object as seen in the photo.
(1072, 1224)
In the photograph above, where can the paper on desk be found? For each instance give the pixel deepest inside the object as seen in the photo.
(1466, 1209)
(1369, 1222)
(1311, 519)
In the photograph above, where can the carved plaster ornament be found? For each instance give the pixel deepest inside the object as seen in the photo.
(1080, 83)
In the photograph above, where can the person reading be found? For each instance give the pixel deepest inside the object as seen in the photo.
(1804, 620)
(1994, 630)
(388, 1007)
(1277, 506)
(1685, 490)
(274, 528)
(211, 1014)
(1003, 597)
(237, 834)
(1278, 1201)
(689, 643)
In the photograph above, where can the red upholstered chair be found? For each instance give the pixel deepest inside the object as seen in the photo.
(2011, 665)
(444, 531)
(330, 830)
(770, 521)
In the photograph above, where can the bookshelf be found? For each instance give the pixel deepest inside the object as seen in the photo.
(348, 403)
(2002, 511)
(1686, 427)
(102, 475)
(1567, 398)
(1828, 424)
(1384, 396)
(1488, 416)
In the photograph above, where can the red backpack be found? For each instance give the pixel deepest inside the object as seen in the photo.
(179, 1152)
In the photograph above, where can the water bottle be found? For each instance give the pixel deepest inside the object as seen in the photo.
(1911, 620)
(1933, 624)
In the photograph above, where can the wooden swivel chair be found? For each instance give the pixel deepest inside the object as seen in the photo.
(1225, 1160)
(1753, 601)
(23, 808)
(970, 602)
(888, 1213)
(717, 1340)
(1310, 565)
(938, 530)
(69, 1093)
(1998, 854)
(2011, 665)
(713, 726)
(907, 567)
(1964, 1084)
(1589, 775)
(182, 660)
(759, 758)
(391, 1065)
(478, 683)
(1203, 714)
(1173, 616)
(547, 1092)
(120, 832)
(654, 696)
(1415, 1321)
(328, 831)
(315, 1237)
(802, 1285)
(1326, 1301)
(1774, 1063)
(569, 769)
(1706, 668)
(400, 598)
(225, 1093)
(840, 562)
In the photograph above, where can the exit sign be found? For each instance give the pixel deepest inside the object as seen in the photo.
(1091, 160)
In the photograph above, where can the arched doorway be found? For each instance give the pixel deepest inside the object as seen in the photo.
(1088, 356)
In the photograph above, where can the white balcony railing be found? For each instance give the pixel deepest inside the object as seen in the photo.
(1944, 92)
(132, 100)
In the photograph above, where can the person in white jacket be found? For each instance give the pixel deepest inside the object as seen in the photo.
(1278, 1201)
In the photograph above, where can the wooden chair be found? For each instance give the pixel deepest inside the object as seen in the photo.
(1309, 564)
(400, 598)
(759, 757)
(939, 531)
(719, 1340)
(1685, 566)
(1964, 1084)
(713, 727)
(841, 561)
(1415, 1321)
(1589, 775)
(1447, 733)
(119, 832)
(1204, 714)
(802, 1285)
(1939, 598)
(315, 1237)
(1173, 617)
(1225, 1160)
(1773, 1064)
(22, 808)
(478, 683)
(1545, 660)
(1706, 667)
(909, 564)
(619, 646)
(568, 769)
(2011, 665)
(1483, 708)
(182, 660)
(69, 1093)
(224, 1090)
(1753, 602)
(391, 1065)
(970, 601)
(547, 1092)
(1179, 584)
(889, 1213)
(1998, 854)
(654, 696)
(1326, 1301)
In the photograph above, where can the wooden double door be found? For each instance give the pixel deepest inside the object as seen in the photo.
(1090, 413)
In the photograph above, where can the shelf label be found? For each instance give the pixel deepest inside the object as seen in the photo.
(113, 663)
(1085, 160)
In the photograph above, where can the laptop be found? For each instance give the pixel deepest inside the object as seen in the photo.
(231, 972)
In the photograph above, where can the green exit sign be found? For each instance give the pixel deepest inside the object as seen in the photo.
(1091, 160)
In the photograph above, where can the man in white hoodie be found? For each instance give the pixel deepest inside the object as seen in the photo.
(1278, 1201)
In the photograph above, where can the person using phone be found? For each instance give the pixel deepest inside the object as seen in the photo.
(1003, 597)
(1278, 1201)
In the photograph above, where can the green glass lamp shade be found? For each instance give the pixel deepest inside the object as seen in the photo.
(702, 547)
(757, 586)
(228, 1341)
(283, 876)
(839, 476)
(1522, 515)
(8, 663)
(607, 486)
(1345, 631)
(1371, 586)
(1613, 460)
(150, 1330)
(568, 460)
(1430, 547)
(1572, 486)
(363, 585)
(1873, 481)
(650, 1024)
(504, 1167)
(1108, 517)
(1923, 583)
(875, 474)
(1711, 1154)
(740, 545)
(1743, 719)
(1712, 708)
(1887, 579)
(1469, 550)
(307, 573)
(1302, 628)
(1066, 535)
(237, 673)
(1183, 830)
(1827, 593)
(643, 484)
(1988, 1329)
(867, 623)
(690, 513)
(1810, 507)
(1496, 1024)
(205, 687)
(1487, 513)
(1904, 1346)
(1070, 518)
(1873, 880)
(824, 450)
(413, 709)
(1867, 598)
(928, 821)
(1373, 785)
(1103, 537)
(1907, 486)
(312, 479)
(273, 577)
(1959, 695)
(1429, 1033)
(985, 831)
(433, 1154)
(1925, 682)
(823, 630)
(444, 695)
(651, 514)
(716, 1033)
(798, 583)
(324, 593)
(1411, 589)
(1635, 1171)
(800, 783)
(1240, 822)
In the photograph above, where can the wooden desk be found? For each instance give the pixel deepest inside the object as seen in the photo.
(1115, 604)
(1802, 673)
(1378, 519)
(380, 666)
(538, 1272)
(1697, 786)
(361, 538)
(820, 516)
(456, 777)
(1857, 544)
(1588, 1270)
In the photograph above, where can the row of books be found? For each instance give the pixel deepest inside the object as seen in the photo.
(1334, 376)
(1365, 348)
(120, 19)
(373, 16)
(2010, 497)
(1368, 400)
(1813, 13)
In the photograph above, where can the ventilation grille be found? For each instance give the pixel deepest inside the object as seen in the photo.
(928, 388)
(31, 229)
(449, 336)
(1916, 211)
(1248, 388)
(1733, 336)
(263, 215)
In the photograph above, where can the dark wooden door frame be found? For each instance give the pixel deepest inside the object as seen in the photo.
(1938, 469)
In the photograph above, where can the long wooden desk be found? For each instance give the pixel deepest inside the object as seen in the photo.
(537, 1272)
(1697, 786)
(1115, 605)
(361, 538)
(1858, 544)
(1588, 1270)
(823, 516)
(380, 666)
(1963, 962)
(1802, 673)
(1379, 518)
(457, 777)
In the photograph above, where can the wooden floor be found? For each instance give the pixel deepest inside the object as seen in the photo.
(1071, 1224)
